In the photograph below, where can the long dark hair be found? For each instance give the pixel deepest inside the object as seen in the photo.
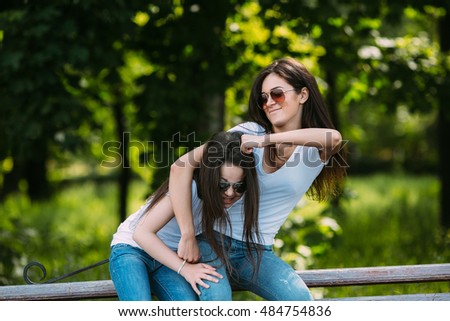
(223, 149)
(314, 115)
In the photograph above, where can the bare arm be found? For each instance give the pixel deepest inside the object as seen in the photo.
(145, 236)
(181, 174)
(328, 141)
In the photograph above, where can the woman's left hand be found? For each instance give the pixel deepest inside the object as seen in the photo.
(195, 274)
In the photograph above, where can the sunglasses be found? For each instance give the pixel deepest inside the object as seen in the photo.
(277, 95)
(237, 187)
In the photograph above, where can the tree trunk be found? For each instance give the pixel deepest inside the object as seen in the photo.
(444, 122)
(36, 177)
(125, 171)
(11, 180)
(331, 98)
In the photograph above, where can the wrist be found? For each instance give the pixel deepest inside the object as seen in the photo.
(181, 267)
(188, 234)
(265, 140)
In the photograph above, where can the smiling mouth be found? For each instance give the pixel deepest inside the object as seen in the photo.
(229, 200)
(274, 110)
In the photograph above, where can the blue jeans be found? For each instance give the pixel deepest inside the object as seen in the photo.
(275, 280)
(136, 275)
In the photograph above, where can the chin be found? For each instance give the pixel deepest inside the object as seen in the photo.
(227, 205)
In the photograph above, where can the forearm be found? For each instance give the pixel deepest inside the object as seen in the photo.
(180, 189)
(158, 250)
(321, 138)
(180, 193)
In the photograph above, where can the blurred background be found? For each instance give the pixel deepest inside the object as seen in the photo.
(97, 99)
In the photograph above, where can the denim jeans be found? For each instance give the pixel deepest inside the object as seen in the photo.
(136, 275)
(274, 281)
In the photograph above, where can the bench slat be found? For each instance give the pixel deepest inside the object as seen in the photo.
(313, 278)
(398, 297)
(376, 275)
(59, 291)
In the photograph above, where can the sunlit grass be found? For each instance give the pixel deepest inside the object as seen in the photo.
(384, 220)
(70, 231)
(388, 220)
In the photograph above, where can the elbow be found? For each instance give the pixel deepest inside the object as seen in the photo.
(336, 140)
(177, 167)
(136, 236)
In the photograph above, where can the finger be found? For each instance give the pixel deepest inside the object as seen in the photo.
(211, 279)
(216, 274)
(193, 259)
(196, 290)
(203, 284)
(247, 150)
(209, 267)
(213, 273)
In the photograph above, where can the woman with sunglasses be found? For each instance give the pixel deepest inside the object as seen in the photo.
(297, 151)
(143, 256)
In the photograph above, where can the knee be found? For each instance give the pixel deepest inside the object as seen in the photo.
(220, 291)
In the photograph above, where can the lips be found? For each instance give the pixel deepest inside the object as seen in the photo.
(274, 110)
(229, 201)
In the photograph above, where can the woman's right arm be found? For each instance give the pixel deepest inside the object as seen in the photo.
(181, 174)
(145, 236)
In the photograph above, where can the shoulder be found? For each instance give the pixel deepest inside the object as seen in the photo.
(312, 155)
(250, 128)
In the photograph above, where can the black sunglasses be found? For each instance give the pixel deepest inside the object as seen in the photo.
(237, 187)
(277, 95)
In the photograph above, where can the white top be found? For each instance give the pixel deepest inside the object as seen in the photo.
(280, 191)
(170, 234)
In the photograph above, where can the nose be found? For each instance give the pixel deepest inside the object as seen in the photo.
(229, 191)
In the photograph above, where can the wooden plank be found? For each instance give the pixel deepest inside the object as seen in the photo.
(313, 278)
(59, 291)
(397, 297)
(376, 275)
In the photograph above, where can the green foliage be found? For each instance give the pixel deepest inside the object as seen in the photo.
(390, 220)
(71, 82)
(385, 220)
(70, 231)
(77, 75)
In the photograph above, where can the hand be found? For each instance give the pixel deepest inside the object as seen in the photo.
(188, 249)
(196, 273)
(248, 142)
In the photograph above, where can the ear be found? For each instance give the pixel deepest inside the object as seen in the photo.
(303, 95)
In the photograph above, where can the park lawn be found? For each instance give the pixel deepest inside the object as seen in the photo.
(384, 219)
(387, 220)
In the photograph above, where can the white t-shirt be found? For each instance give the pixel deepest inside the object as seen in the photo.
(280, 191)
(170, 234)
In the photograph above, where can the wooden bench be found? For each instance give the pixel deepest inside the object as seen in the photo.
(313, 278)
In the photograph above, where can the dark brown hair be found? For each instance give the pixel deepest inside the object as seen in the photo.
(314, 115)
(223, 149)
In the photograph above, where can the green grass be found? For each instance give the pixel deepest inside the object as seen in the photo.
(70, 231)
(388, 220)
(384, 220)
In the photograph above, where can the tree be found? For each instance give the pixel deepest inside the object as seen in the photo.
(352, 33)
(182, 101)
(444, 114)
(45, 55)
